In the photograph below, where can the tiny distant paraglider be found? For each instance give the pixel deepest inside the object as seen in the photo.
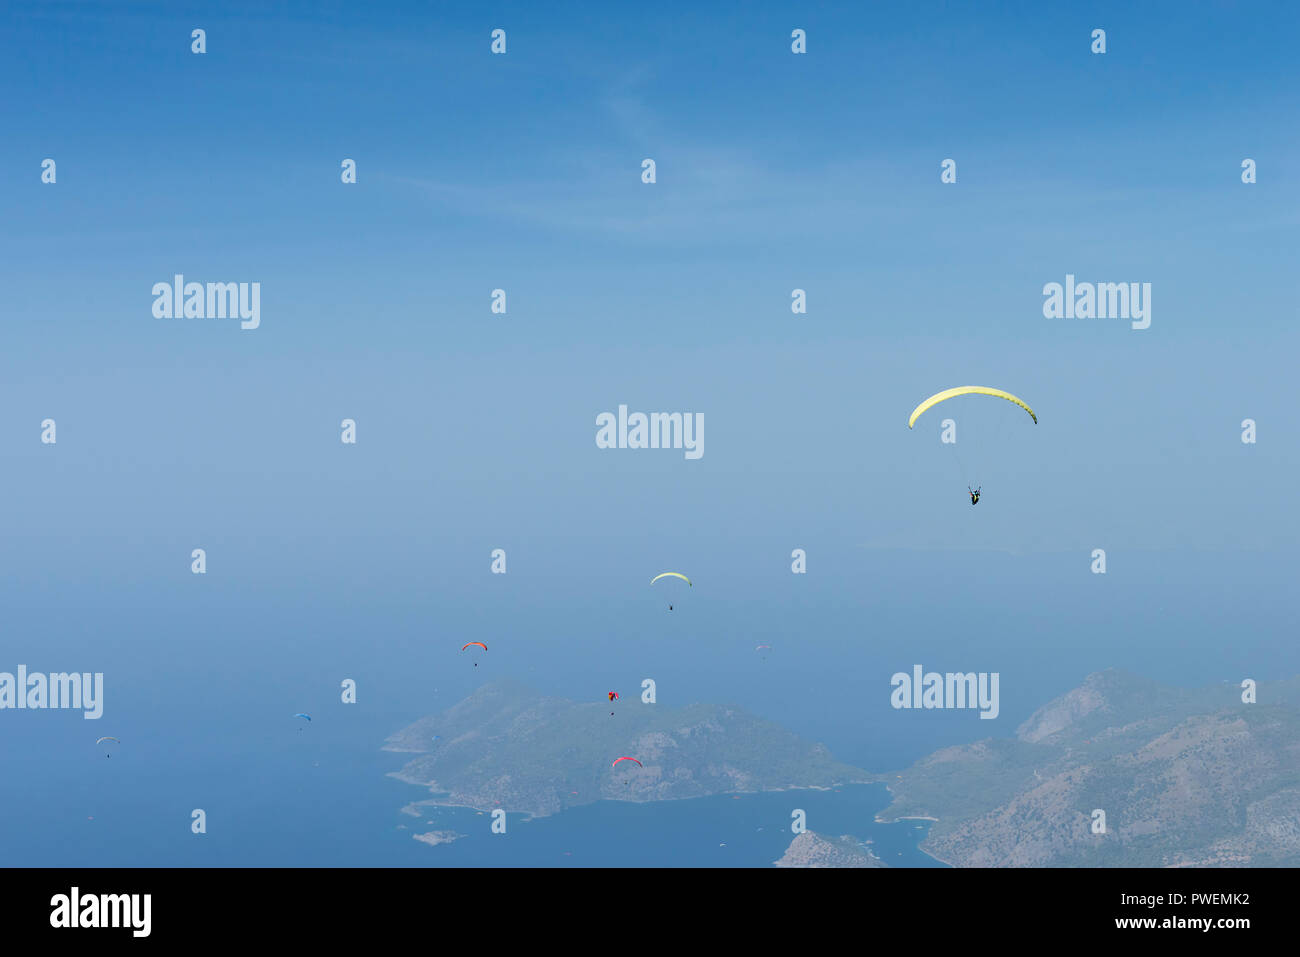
(689, 583)
(301, 714)
(625, 758)
(107, 753)
(613, 696)
(469, 644)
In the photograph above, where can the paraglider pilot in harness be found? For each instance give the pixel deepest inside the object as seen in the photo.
(975, 495)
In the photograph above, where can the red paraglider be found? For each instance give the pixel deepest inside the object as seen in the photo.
(468, 643)
(633, 760)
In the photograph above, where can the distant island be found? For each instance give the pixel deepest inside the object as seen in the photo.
(813, 850)
(1186, 778)
(508, 746)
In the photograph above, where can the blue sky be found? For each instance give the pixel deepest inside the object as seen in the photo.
(476, 431)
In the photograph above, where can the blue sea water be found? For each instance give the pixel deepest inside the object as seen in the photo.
(309, 807)
(750, 830)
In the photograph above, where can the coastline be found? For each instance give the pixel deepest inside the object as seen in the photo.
(534, 814)
(433, 802)
(904, 817)
(914, 817)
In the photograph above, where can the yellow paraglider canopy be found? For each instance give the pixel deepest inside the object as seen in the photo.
(967, 390)
(672, 575)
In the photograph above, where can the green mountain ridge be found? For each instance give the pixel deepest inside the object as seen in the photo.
(508, 746)
(1186, 777)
